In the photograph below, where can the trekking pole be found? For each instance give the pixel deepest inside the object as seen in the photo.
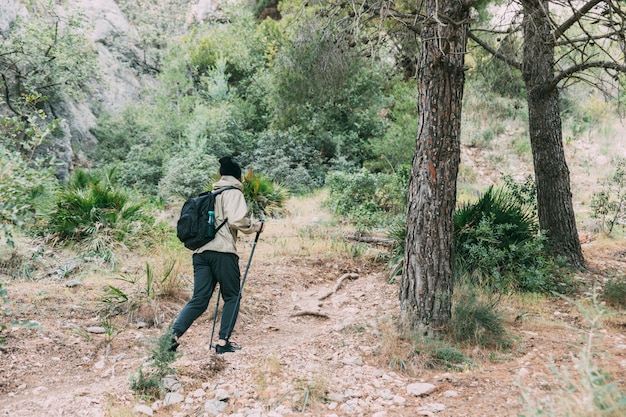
(243, 282)
(215, 316)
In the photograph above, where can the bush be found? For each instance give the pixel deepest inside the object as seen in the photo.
(289, 159)
(188, 174)
(497, 243)
(609, 204)
(475, 318)
(24, 193)
(614, 292)
(264, 197)
(368, 200)
(91, 205)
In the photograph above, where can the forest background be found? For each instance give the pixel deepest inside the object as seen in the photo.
(304, 102)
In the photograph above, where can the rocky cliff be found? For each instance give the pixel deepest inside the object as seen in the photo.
(122, 65)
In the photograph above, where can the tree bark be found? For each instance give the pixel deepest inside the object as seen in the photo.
(554, 197)
(427, 277)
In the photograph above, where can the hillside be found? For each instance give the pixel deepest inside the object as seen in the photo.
(303, 353)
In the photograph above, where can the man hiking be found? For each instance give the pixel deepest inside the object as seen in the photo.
(217, 261)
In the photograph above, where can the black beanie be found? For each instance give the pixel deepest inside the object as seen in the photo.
(229, 167)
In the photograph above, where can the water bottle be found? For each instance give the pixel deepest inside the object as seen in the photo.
(211, 224)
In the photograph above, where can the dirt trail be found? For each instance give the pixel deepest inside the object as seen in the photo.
(294, 343)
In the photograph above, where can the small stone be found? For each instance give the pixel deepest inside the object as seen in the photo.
(450, 393)
(74, 283)
(433, 407)
(173, 398)
(96, 330)
(419, 389)
(222, 395)
(143, 409)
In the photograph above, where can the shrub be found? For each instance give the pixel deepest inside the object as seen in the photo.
(148, 382)
(366, 199)
(91, 206)
(264, 197)
(475, 318)
(609, 204)
(497, 243)
(24, 193)
(614, 292)
(188, 174)
(289, 159)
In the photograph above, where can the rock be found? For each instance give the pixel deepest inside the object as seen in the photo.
(222, 395)
(352, 360)
(420, 389)
(143, 409)
(433, 407)
(214, 407)
(173, 398)
(450, 393)
(96, 329)
(171, 384)
(74, 283)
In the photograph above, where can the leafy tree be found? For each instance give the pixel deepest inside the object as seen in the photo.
(24, 192)
(328, 89)
(46, 56)
(561, 43)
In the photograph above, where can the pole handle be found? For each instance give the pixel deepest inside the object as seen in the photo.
(256, 239)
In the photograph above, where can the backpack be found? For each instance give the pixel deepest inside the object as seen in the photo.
(193, 227)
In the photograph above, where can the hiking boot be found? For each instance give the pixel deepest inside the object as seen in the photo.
(228, 347)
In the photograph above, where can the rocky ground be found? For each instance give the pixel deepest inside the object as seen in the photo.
(316, 342)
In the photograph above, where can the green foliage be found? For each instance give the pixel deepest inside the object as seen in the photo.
(92, 207)
(497, 243)
(4, 298)
(367, 199)
(497, 76)
(144, 294)
(156, 23)
(24, 193)
(614, 292)
(188, 174)
(475, 318)
(288, 158)
(397, 146)
(609, 204)
(148, 380)
(323, 86)
(265, 197)
(48, 54)
(435, 353)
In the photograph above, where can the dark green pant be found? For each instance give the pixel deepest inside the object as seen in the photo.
(210, 268)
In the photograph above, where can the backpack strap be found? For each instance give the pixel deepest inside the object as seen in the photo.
(216, 192)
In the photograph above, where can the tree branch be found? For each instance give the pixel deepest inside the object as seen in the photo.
(505, 58)
(574, 18)
(7, 97)
(568, 72)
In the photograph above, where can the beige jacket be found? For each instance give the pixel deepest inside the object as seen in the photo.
(232, 205)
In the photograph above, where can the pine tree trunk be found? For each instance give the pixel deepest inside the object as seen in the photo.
(427, 277)
(554, 196)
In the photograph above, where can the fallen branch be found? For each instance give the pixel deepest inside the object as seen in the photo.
(310, 313)
(382, 241)
(338, 285)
